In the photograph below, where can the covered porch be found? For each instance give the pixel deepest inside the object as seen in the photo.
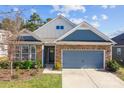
(48, 56)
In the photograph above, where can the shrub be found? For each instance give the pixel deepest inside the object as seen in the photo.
(4, 65)
(18, 64)
(38, 64)
(58, 66)
(112, 66)
(25, 65)
(28, 64)
(33, 64)
(4, 59)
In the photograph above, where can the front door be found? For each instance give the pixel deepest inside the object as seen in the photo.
(49, 53)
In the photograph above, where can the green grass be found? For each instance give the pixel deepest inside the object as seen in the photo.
(120, 72)
(41, 81)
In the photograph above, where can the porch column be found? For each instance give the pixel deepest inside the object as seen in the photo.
(42, 55)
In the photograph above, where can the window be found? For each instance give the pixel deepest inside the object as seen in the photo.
(18, 53)
(118, 51)
(33, 53)
(57, 27)
(60, 27)
(25, 52)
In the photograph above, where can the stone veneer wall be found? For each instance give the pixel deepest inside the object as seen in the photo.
(107, 49)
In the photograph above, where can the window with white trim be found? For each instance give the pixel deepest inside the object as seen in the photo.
(18, 53)
(25, 52)
(33, 53)
(60, 27)
(118, 51)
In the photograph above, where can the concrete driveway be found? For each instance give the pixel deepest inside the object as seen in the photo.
(83, 78)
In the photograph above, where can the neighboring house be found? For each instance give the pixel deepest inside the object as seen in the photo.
(118, 48)
(3, 45)
(65, 45)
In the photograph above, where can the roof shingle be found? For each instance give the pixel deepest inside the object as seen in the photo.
(119, 39)
(27, 38)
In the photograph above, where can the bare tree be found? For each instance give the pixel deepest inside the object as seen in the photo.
(12, 39)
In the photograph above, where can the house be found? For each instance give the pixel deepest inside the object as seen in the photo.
(118, 48)
(3, 45)
(64, 44)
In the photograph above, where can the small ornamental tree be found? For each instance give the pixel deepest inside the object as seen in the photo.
(13, 26)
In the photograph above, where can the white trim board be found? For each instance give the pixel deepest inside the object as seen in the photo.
(42, 55)
(82, 43)
(27, 42)
(118, 46)
(89, 27)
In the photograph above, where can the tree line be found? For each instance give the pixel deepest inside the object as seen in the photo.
(34, 22)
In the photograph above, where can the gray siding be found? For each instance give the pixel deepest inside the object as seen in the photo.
(49, 31)
(83, 35)
(114, 53)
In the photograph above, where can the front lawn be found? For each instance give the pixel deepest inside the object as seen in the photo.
(120, 72)
(41, 81)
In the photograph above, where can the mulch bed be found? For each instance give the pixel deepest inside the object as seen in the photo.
(23, 74)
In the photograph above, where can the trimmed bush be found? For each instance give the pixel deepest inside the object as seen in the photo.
(18, 64)
(24, 65)
(4, 65)
(112, 66)
(21, 65)
(28, 64)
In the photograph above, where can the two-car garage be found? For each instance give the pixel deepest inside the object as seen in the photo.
(83, 59)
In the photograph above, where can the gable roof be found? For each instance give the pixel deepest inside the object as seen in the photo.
(26, 35)
(84, 36)
(31, 34)
(48, 31)
(119, 39)
(59, 16)
(86, 26)
(27, 38)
